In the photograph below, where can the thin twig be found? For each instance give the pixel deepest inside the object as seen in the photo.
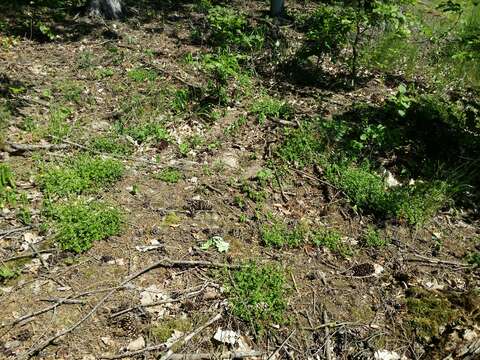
(188, 337)
(160, 302)
(14, 230)
(276, 352)
(328, 354)
(225, 355)
(14, 147)
(421, 258)
(37, 254)
(27, 255)
(331, 325)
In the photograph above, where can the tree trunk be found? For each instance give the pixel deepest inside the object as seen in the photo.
(276, 7)
(108, 9)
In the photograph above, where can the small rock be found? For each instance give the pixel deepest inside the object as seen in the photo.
(230, 160)
(386, 355)
(136, 344)
(226, 336)
(108, 341)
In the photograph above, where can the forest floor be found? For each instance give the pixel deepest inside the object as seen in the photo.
(205, 178)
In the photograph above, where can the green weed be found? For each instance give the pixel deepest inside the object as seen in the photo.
(170, 175)
(373, 238)
(79, 223)
(8, 194)
(57, 126)
(82, 174)
(280, 235)
(229, 27)
(258, 294)
(268, 107)
(332, 240)
(301, 146)
(147, 131)
(111, 144)
(365, 189)
(142, 75)
(6, 273)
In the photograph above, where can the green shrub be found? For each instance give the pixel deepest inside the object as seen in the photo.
(269, 107)
(79, 223)
(111, 144)
(230, 27)
(328, 32)
(147, 131)
(82, 174)
(258, 294)
(141, 75)
(373, 238)
(331, 239)
(170, 175)
(279, 235)
(365, 189)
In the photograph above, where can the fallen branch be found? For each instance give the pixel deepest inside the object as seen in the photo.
(225, 355)
(331, 325)
(421, 258)
(187, 338)
(276, 352)
(160, 302)
(14, 230)
(15, 148)
(28, 255)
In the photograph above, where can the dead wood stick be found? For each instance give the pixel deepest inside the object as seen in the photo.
(160, 302)
(27, 255)
(64, 301)
(14, 230)
(189, 337)
(331, 325)
(114, 156)
(328, 354)
(53, 307)
(14, 147)
(162, 263)
(421, 258)
(276, 352)
(37, 254)
(225, 355)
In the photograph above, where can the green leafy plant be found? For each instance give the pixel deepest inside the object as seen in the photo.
(111, 144)
(170, 175)
(229, 27)
(82, 174)
(331, 239)
(146, 131)
(79, 223)
(7, 186)
(258, 294)
(280, 235)
(373, 238)
(269, 107)
(142, 75)
(7, 273)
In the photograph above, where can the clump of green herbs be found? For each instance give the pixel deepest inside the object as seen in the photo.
(81, 174)
(258, 294)
(78, 224)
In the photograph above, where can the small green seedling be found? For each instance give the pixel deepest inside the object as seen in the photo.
(221, 245)
(373, 238)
